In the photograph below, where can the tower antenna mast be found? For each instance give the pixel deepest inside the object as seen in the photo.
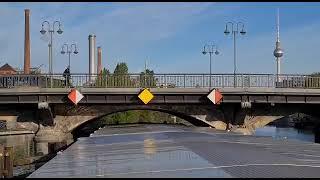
(278, 52)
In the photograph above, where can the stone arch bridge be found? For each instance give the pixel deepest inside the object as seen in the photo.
(59, 117)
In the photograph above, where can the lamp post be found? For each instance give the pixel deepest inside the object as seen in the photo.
(51, 32)
(234, 33)
(211, 48)
(69, 51)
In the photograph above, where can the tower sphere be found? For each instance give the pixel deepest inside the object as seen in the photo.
(278, 52)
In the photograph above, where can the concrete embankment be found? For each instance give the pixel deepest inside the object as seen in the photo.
(220, 125)
(16, 132)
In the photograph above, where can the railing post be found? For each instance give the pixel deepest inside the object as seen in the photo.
(184, 81)
(46, 81)
(9, 82)
(222, 76)
(242, 79)
(8, 162)
(165, 80)
(203, 80)
(38, 77)
(106, 81)
(66, 81)
(13, 80)
(1, 161)
(18, 79)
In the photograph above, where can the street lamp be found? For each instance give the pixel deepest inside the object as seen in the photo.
(211, 48)
(69, 51)
(51, 31)
(234, 32)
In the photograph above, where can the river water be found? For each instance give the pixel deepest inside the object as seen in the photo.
(24, 146)
(285, 133)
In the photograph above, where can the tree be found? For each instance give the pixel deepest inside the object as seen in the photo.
(315, 74)
(120, 77)
(313, 80)
(102, 79)
(147, 79)
(121, 68)
(145, 116)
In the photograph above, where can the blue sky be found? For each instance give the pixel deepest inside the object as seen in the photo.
(170, 36)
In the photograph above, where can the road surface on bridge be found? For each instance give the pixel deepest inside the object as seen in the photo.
(151, 151)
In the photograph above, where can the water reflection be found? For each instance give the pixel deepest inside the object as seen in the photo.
(150, 147)
(285, 133)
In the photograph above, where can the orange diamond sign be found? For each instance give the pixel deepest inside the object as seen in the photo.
(215, 96)
(75, 96)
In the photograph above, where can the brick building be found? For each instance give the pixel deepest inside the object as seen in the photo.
(7, 69)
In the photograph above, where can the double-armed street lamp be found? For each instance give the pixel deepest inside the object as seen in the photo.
(69, 51)
(51, 32)
(210, 48)
(234, 31)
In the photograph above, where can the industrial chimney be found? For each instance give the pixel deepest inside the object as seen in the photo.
(99, 68)
(92, 54)
(27, 42)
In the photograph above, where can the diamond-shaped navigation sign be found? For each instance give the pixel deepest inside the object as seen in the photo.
(75, 96)
(146, 96)
(215, 96)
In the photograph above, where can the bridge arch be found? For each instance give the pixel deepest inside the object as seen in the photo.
(193, 120)
(262, 115)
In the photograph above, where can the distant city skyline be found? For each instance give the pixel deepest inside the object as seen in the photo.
(170, 36)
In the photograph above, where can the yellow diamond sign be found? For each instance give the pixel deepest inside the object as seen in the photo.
(146, 96)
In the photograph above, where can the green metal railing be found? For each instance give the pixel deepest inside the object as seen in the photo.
(160, 81)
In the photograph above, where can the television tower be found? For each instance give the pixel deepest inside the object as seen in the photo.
(278, 52)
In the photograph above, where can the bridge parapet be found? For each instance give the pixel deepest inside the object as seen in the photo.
(160, 81)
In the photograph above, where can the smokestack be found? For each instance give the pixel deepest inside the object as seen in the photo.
(92, 53)
(99, 68)
(27, 42)
(95, 55)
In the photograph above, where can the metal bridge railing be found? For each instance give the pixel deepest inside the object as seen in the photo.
(160, 81)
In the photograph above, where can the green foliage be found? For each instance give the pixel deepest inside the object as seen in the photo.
(19, 155)
(121, 69)
(119, 78)
(138, 116)
(313, 80)
(315, 74)
(147, 79)
(101, 80)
